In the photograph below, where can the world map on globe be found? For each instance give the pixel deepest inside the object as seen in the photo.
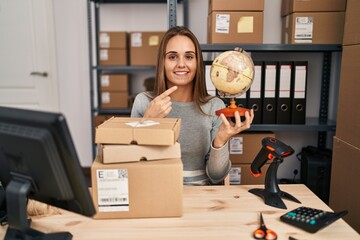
(232, 72)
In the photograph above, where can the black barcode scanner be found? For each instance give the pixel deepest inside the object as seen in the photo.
(271, 148)
(274, 150)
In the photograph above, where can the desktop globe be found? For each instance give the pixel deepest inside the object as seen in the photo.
(232, 73)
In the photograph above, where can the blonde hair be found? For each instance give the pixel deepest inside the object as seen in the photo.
(200, 94)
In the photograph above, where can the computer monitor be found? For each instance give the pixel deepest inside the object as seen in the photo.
(38, 161)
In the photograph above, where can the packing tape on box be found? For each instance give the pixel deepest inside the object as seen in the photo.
(138, 124)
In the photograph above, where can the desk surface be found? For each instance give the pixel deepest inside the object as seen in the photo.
(210, 212)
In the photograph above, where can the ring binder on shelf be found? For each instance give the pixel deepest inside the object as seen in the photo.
(209, 85)
(242, 100)
(269, 98)
(298, 93)
(255, 93)
(283, 98)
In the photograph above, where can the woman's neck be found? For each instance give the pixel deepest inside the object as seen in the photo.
(183, 94)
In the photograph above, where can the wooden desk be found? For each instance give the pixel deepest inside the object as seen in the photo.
(214, 212)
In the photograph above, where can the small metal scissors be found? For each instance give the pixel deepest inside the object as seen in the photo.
(263, 233)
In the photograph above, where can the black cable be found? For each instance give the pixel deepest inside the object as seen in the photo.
(295, 173)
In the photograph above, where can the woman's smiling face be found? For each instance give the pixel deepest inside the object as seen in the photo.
(180, 61)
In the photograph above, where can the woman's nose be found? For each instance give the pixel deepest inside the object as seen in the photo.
(181, 62)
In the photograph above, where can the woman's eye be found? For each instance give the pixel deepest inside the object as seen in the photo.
(189, 57)
(172, 57)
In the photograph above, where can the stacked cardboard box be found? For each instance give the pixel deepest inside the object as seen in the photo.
(113, 48)
(313, 21)
(232, 21)
(114, 91)
(346, 144)
(138, 169)
(144, 48)
(100, 118)
(243, 149)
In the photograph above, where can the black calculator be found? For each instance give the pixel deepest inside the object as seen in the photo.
(311, 219)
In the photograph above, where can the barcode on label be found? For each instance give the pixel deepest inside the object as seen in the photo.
(123, 173)
(114, 199)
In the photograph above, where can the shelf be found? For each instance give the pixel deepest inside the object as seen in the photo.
(274, 47)
(124, 69)
(311, 125)
(120, 111)
(320, 124)
(131, 1)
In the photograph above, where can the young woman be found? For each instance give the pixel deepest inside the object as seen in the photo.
(180, 92)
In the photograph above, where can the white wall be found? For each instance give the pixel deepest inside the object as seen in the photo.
(71, 31)
(72, 53)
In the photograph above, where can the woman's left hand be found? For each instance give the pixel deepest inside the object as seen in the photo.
(228, 128)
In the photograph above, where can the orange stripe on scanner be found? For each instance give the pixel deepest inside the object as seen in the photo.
(255, 174)
(287, 153)
(270, 148)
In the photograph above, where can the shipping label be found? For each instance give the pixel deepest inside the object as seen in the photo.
(222, 24)
(304, 30)
(236, 145)
(113, 190)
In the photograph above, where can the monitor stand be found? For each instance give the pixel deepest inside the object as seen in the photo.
(18, 223)
(272, 194)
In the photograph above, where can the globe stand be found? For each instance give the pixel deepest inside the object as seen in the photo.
(272, 194)
(231, 109)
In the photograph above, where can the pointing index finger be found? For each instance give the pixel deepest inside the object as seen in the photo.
(169, 91)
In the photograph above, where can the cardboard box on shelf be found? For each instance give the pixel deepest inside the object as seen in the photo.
(235, 27)
(291, 6)
(138, 189)
(244, 147)
(231, 5)
(352, 22)
(348, 115)
(144, 48)
(114, 82)
(153, 131)
(113, 40)
(117, 153)
(240, 174)
(344, 176)
(111, 100)
(311, 27)
(113, 56)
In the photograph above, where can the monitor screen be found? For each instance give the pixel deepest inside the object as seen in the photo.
(38, 161)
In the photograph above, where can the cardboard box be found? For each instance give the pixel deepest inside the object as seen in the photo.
(348, 114)
(240, 174)
(352, 22)
(138, 189)
(144, 48)
(113, 56)
(111, 100)
(133, 153)
(291, 6)
(113, 40)
(99, 119)
(244, 147)
(344, 178)
(238, 5)
(235, 27)
(311, 27)
(154, 131)
(114, 82)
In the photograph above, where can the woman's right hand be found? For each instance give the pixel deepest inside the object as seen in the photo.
(160, 106)
(228, 128)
